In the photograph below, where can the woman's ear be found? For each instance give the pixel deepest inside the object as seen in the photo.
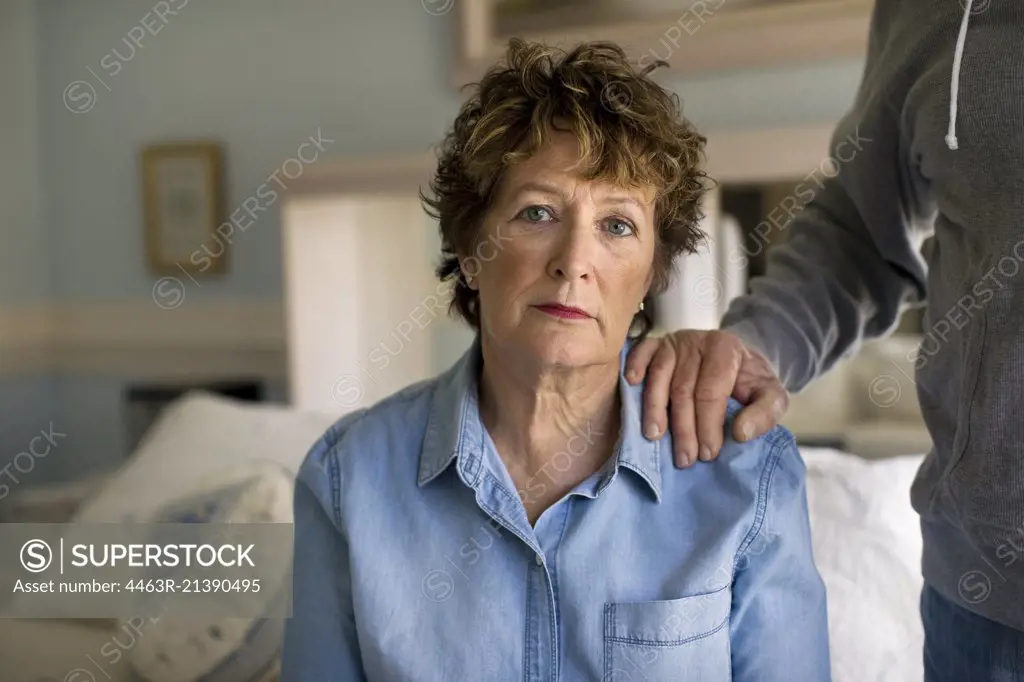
(468, 270)
(648, 283)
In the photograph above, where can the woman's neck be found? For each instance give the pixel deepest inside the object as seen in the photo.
(552, 428)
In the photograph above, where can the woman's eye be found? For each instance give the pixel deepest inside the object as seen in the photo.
(619, 228)
(536, 214)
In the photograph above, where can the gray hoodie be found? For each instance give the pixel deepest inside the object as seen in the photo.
(932, 147)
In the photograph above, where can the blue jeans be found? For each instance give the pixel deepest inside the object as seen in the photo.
(961, 646)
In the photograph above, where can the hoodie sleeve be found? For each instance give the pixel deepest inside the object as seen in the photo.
(851, 259)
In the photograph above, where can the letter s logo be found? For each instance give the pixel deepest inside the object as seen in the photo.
(36, 556)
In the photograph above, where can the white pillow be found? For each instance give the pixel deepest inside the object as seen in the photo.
(193, 438)
(867, 546)
(219, 649)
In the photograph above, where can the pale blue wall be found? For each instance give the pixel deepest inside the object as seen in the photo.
(27, 403)
(25, 275)
(27, 406)
(262, 75)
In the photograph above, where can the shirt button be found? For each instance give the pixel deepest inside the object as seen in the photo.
(539, 559)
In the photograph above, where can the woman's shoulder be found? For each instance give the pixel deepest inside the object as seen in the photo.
(755, 472)
(774, 473)
(391, 427)
(379, 447)
(766, 476)
(774, 456)
(771, 461)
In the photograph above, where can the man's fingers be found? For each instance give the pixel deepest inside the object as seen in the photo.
(719, 368)
(639, 358)
(682, 408)
(656, 390)
(762, 415)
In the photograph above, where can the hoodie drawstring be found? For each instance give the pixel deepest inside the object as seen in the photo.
(954, 83)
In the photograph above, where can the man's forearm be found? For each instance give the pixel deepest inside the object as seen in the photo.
(825, 289)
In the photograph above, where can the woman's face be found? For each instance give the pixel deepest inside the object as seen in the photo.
(563, 263)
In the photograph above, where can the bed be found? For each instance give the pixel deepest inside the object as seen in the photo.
(866, 541)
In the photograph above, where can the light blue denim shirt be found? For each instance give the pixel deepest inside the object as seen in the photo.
(415, 561)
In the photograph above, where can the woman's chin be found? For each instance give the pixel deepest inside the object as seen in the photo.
(567, 348)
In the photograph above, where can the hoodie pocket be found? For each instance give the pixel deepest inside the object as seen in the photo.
(970, 366)
(986, 479)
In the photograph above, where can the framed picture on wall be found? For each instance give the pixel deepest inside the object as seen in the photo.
(183, 204)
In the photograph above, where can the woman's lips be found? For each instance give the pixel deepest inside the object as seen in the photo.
(563, 312)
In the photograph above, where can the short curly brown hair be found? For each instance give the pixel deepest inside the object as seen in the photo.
(631, 132)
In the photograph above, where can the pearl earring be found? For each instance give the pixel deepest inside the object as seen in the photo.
(641, 306)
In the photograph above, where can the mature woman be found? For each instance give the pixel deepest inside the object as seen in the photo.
(508, 520)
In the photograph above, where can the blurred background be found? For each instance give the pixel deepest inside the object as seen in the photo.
(109, 306)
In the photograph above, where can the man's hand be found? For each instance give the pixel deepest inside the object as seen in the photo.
(697, 371)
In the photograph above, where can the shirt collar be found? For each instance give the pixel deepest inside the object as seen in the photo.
(455, 430)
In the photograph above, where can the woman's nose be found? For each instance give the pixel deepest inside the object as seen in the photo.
(573, 258)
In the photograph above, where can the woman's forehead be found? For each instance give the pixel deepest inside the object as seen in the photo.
(568, 185)
(558, 167)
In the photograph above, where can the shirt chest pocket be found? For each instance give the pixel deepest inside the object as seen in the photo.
(677, 639)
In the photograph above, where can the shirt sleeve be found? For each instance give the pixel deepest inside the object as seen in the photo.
(320, 643)
(850, 259)
(779, 624)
